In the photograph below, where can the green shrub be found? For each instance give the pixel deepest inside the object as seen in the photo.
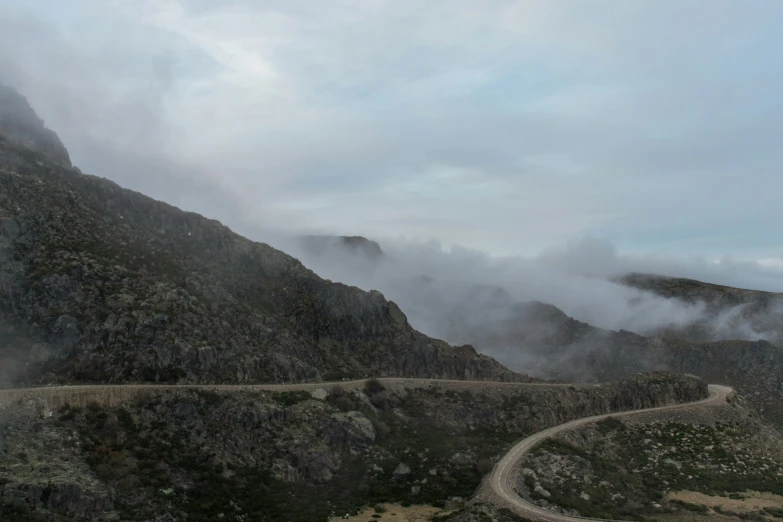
(345, 403)
(484, 466)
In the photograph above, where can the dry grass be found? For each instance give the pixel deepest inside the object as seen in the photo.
(751, 501)
(395, 513)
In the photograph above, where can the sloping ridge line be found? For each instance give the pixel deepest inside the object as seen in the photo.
(499, 479)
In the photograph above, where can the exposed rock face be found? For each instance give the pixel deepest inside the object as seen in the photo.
(353, 429)
(42, 470)
(99, 283)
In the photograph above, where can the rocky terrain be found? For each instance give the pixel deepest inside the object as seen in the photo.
(197, 455)
(102, 284)
(645, 466)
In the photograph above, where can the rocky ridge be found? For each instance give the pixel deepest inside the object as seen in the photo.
(102, 284)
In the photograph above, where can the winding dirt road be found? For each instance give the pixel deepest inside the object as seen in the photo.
(499, 480)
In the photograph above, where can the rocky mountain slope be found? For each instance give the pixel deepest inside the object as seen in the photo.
(648, 465)
(184, 454)
(556, 346)
(102, 284)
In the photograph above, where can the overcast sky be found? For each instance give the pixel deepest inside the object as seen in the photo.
(507, 127)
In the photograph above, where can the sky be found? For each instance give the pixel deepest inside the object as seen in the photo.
(508, 127)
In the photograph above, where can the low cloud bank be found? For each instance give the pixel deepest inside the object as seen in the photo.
(463, 295)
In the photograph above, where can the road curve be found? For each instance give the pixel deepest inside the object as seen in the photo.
(499, 480)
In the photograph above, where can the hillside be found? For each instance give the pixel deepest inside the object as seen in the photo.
(200, 455)
(550, 344)
(540, 339)
(730, 313)
(661, 464)
(102, 284)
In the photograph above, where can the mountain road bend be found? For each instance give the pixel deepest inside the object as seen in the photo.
(500, 479)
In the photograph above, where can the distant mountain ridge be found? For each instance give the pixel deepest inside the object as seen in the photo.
(730, 313)
(692, 290)
(357, 245)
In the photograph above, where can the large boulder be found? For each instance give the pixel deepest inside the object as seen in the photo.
(351, 428)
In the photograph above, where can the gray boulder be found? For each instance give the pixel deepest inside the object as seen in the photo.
(401, 471)
(351, 428)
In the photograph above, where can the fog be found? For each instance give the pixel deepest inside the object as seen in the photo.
(466, 296)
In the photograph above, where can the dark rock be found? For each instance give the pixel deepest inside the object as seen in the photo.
(57, 498)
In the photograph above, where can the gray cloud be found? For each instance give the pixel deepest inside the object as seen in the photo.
(507, 126)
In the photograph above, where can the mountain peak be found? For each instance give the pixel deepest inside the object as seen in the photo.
(20, 124)
(319, 245)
